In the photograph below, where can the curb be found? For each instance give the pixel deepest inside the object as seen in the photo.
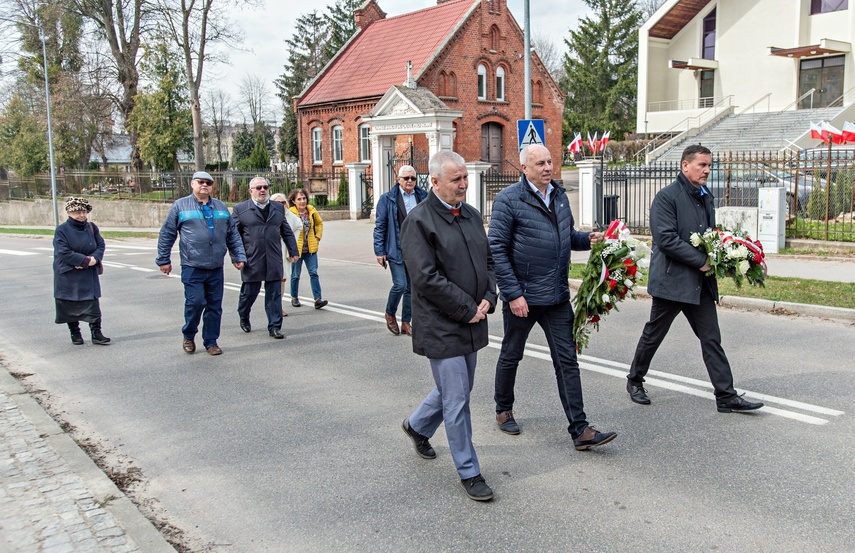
(769, 306)
(136, 526)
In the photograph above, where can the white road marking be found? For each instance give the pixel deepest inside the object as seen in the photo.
(16, 252)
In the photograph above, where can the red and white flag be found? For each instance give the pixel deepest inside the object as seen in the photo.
(576, 145)
(603, 141)
(816, 131)
(592, 143)
(848, 132)
(830, 133)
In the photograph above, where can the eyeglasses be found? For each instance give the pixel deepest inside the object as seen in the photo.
(204, 182)
(261, 187)
(407, 178)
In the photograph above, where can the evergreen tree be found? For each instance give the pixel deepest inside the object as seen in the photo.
(341, 25)
(259, 159)
(242, 146)
(601, 68)
(161, 117)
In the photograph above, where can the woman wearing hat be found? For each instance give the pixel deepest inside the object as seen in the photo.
(77, 252)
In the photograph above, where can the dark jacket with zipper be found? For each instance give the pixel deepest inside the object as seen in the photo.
(677, 211)
(451, 270)
(531, 244)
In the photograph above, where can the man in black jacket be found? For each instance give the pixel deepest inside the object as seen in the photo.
(678, 284)
(262, 224)
(453, 288)
(531, 235)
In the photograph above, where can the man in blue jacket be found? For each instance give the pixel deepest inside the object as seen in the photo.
(207, 231)
(531, 235)
(393, 206)
(678, 284)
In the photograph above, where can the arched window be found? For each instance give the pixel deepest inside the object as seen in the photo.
(452, 84)
(336, 144)
(442, 84)
(365, 143)
(494, 38)
(537, 93)
(317, 150)
(500, 84)
(482, 81)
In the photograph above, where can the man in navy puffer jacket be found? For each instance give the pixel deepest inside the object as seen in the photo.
(531, 235)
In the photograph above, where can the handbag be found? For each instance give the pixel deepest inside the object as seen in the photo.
(99, 266)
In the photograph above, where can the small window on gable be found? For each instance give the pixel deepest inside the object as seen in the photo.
(365, 143)
(317, 141)
(537, 93)
(500, 84)
(482, 81)
(495, 36)
(452, 84)
(442, 84)
(337, 144)
(825, 6)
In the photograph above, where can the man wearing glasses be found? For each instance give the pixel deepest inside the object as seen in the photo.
(261, 225)
(393, 206)
(206, 231)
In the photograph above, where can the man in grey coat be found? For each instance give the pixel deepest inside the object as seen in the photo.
(453, 288)
(263, 227)
(678, 283)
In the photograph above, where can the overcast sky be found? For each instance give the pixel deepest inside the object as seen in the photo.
(266, 27)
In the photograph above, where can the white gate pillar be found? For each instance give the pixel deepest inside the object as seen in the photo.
(355, 190)
(382, 147)
(475, 194)
(587, 202)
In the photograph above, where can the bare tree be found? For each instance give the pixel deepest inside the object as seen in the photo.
(648, 7)
(254, 99)
(194, 26)
(122, 23)
(218, 106)
(548, 53)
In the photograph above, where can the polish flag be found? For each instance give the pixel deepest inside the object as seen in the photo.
(848, 132)
(816, 131)
(576, 145)
(830, 133)
(604, 140)
(592, 143)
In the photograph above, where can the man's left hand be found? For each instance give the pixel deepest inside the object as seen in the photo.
(596, 236)
(293, 258)
(238, 265)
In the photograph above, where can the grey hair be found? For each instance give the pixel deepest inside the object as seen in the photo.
(525, 153)
(279, 197)
(406, 168)
(440, 159)
(260, 179)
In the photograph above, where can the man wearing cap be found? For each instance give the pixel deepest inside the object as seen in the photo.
(261, 224)
(206, 231)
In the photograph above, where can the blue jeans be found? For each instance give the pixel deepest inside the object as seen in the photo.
(311, 260)
(203, 300)
(400, 290)
(449, 402)
(557, 323)
(272, 301)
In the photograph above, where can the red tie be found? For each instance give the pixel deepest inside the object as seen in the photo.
(455, 211)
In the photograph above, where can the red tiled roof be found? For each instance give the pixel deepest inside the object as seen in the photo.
(377, 58)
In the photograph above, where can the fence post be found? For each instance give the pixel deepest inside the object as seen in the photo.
(355, 193)
(475, 193)
(587, 192)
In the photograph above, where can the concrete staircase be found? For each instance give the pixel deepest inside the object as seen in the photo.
(754, 131)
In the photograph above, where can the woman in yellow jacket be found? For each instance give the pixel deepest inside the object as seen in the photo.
(307, 243)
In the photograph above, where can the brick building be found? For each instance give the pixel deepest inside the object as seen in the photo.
(468, 53)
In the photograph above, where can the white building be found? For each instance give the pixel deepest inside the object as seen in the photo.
(702, 59)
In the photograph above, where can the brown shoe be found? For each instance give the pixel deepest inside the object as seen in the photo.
(214, 350)
(189, 346)
(392, 324)
(406, 328)
(507, 424)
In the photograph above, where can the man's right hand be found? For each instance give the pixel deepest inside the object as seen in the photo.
(166, 269)
(381, 260)
(519, 307)
(705, 268)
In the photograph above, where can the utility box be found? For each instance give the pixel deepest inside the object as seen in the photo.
(771, 218)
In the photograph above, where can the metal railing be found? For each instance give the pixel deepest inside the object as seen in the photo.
(681, 129)
(682, 105)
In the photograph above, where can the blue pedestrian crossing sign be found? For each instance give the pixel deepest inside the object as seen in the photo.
(530, 131)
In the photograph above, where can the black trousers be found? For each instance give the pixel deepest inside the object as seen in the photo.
(272, 301)
(704, 322)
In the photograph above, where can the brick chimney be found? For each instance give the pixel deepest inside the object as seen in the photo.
(367, 14)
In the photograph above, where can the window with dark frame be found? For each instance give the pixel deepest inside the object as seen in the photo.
(827, 6)
(709, 36)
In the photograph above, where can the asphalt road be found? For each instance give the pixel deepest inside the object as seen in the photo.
(295, 444)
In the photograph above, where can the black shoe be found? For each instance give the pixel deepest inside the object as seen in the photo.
(98, 338)
(591, 437)
(276, 334)
(295, 302)
(506, 423)
(637, 393)
(320, 303)
(421, 443)
(476, 488)
(738, 404)
(245, 326)
(77, 338)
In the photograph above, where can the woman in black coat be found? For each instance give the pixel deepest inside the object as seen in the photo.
(77, 253)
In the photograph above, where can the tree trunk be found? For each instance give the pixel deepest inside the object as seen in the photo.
(196, 111)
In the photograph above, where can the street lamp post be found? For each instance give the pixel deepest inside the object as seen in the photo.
(49, 131)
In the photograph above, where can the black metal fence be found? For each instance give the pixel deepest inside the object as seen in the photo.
(818, 185)
(326, 189)
(494, 183)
